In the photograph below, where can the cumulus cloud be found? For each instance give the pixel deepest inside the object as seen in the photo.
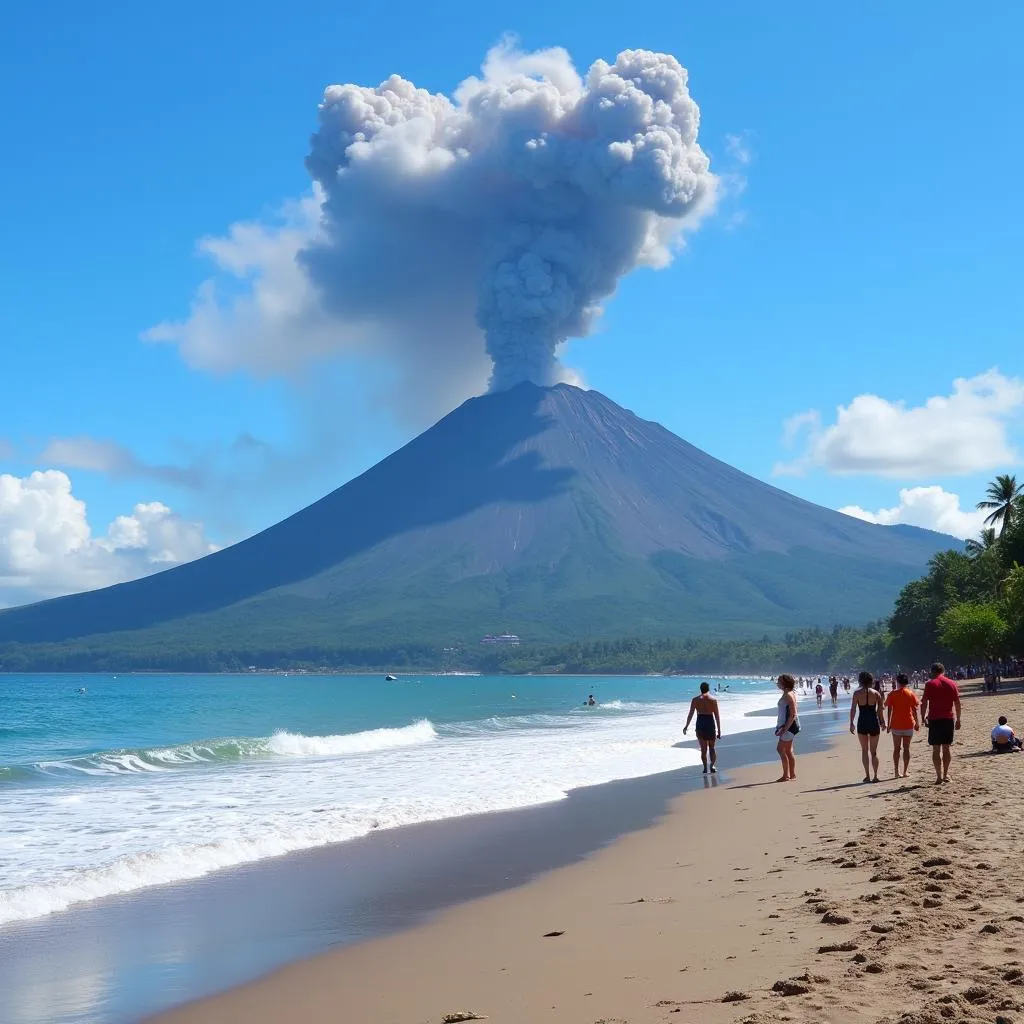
(929, 507)
(262, 313)
(47, 547)
(456, 239)
(965, 432)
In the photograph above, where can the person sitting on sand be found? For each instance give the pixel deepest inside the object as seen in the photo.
(902, 705)
(788, 726)
(940, 711)
(709, 726)
(1004, 739)
(866, 705)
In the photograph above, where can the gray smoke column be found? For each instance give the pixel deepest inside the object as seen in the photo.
(519, 203)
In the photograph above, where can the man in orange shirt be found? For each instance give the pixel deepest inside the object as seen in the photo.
(901, 705)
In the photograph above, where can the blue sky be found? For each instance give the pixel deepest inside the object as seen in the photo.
(867, 244)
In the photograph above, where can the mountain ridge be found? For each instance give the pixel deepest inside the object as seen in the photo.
(548, 511)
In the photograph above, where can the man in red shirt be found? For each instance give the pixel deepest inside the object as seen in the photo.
(940, 711)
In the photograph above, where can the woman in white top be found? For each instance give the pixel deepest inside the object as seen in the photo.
(787, 727)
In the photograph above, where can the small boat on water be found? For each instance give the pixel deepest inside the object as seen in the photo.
(390, 678)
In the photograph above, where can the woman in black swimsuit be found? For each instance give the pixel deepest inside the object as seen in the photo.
(866, 706)
(709, 726)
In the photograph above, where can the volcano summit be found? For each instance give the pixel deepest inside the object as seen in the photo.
(552, 513)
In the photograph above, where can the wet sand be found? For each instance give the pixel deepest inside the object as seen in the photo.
(823, 900)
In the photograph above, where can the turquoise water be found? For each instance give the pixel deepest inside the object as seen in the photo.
(146, 780)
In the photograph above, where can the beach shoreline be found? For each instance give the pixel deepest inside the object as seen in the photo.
(817, 889)
(121, 957)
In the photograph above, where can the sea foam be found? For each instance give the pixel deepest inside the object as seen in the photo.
(118, 821)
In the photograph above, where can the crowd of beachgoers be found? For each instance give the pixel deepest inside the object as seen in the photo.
(887, 703)
(993, 670)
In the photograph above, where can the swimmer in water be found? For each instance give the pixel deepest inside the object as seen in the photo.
(590, 701)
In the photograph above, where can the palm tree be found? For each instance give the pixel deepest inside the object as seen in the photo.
(1002, 494)
(986, 540)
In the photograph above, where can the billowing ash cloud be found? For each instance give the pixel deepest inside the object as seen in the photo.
(518, 204)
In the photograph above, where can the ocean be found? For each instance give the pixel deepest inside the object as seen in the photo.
(145, 780)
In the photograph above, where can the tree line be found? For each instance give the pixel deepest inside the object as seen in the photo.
(970, 603)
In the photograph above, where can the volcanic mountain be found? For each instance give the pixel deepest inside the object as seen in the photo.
(552, 513)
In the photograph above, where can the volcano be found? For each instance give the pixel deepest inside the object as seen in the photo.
(551, 513)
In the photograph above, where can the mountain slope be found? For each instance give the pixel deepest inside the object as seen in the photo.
(551, 512)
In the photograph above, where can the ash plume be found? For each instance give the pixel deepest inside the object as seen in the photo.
(511, 209)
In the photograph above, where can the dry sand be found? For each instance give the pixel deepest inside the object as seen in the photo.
(823, 900)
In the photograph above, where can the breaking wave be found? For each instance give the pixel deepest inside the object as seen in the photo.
(231, 750)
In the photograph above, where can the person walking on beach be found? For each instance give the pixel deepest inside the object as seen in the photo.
(940, 711)
(833, 689)
(709, 726)
(901, 706)
(787, 726)
(819, 690)
(866, 705)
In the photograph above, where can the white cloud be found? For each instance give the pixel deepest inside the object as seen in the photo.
(115, 460)
(732, 180)
(965, 432)
(929, 507)
(47, 547)
(261, 313)
(739, 147)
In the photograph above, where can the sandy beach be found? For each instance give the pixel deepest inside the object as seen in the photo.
(822, 900)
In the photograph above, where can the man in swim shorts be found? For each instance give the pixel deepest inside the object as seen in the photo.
(940, 711)
(709, 726)
(901, 705)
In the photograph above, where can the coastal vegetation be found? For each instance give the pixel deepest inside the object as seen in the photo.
(970, 603)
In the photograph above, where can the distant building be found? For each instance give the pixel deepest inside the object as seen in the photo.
(505, 639)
